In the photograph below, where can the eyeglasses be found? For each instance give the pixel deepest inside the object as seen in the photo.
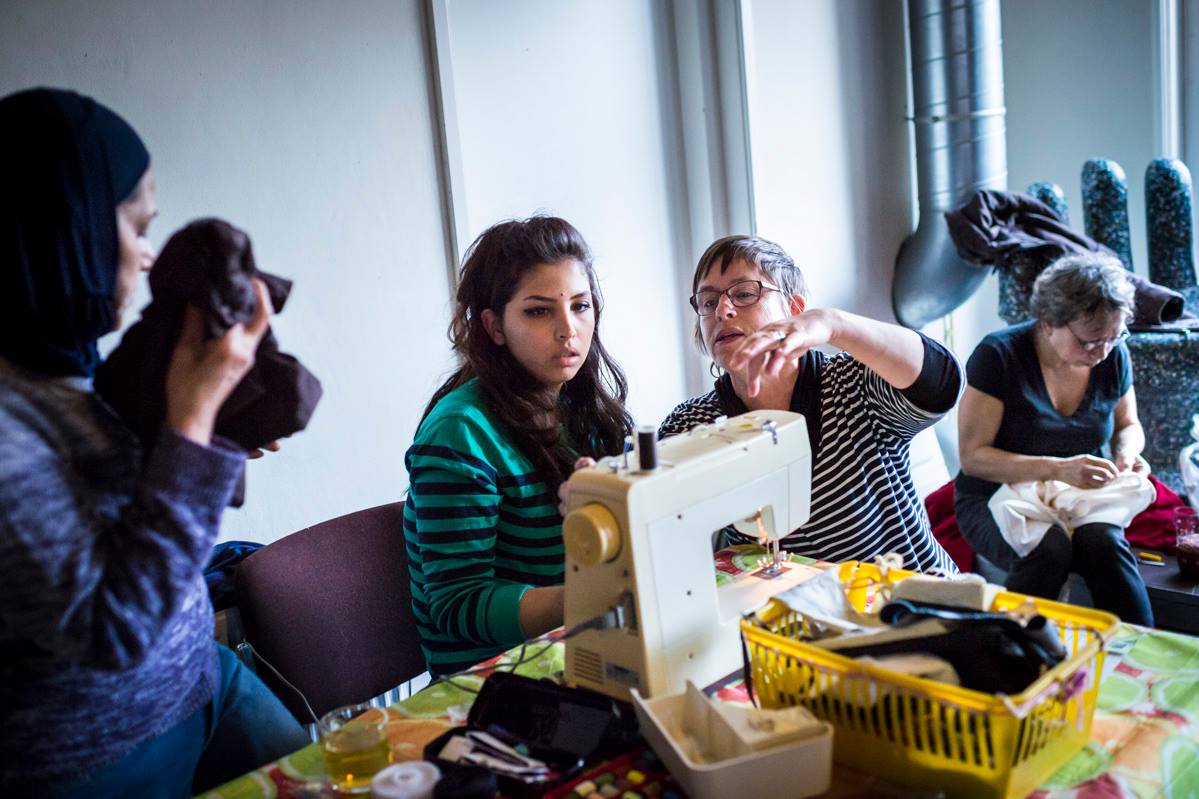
(741, 295)
(1098, 343)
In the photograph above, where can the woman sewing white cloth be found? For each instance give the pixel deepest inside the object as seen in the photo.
(862, 406)
(1044, 397)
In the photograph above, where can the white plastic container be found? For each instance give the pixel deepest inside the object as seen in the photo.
(714, 757)
(412, 780)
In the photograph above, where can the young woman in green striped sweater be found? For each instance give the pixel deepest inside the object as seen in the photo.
(534, 391)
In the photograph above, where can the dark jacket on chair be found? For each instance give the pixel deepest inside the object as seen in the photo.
(1020, 234)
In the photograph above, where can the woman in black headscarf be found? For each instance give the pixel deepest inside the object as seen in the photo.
(110, 681)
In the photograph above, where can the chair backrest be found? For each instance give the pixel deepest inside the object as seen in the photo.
(330, 608)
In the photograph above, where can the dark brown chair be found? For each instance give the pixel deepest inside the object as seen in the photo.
(330, 608)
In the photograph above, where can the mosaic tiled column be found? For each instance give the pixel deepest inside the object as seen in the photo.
(1166, 364)
(1052, 195)
(1165, 369)
(1015, 286)
(1105, 206)
(1168, 214)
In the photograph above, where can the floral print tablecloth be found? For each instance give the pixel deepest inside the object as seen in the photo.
(1144, 739)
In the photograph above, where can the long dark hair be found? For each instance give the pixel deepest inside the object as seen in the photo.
(590, 407)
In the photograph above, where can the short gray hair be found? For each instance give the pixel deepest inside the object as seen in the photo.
(1077, 286)
(767, 256)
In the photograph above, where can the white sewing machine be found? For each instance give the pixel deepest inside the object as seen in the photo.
(642, 606)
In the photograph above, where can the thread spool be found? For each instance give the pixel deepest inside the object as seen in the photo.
(647, 447)
(415, 780)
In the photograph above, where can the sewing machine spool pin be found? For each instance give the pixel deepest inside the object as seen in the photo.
(647, 448)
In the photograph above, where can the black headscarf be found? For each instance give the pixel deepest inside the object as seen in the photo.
(66, 162)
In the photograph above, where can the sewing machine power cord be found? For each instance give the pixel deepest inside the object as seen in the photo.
(523, 656)
(246, 646)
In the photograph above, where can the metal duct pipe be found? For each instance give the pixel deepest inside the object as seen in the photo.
(958, 113)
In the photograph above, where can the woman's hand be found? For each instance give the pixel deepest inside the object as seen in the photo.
(1086, 471)
(1128, 435)
(203, 374)
(255, 454)
(767, 350)
(1132, 463)
(564, 489)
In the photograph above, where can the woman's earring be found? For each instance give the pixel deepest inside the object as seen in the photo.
(714, 370)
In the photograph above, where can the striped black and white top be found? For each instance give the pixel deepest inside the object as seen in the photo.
(863, 500)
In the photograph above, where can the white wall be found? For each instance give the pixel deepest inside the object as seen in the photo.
(1079, 79)
(832, 181)
(831, 172)
(830, 144)
(1190, 84)
(559, 110)
(310, 125)
(1079, 84)
(307, 124)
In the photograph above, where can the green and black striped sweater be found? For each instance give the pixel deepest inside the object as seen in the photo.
(481, 528)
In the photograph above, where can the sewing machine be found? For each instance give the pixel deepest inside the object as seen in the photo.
(643, 609)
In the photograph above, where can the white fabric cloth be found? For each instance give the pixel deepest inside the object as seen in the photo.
(1024, 512)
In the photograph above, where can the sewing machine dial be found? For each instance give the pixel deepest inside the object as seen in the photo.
(591, 534)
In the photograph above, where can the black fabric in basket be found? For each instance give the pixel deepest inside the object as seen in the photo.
(990, 652)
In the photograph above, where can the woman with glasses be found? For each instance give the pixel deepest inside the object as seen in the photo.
(534, 391)
(862, 405)
(1043, 400)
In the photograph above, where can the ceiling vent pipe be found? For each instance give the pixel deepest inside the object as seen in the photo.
(958, 113)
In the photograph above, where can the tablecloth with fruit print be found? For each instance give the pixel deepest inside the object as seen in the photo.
(1144, 739)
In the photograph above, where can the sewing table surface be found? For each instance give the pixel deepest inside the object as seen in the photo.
(1144, 739)
(1175, 599)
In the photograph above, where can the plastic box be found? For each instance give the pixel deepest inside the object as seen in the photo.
(795, 768)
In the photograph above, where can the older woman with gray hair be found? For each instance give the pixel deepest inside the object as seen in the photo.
(1043, 400)
(862, 405)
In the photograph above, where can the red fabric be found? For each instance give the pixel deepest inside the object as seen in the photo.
(939, 505)
(1152, 528)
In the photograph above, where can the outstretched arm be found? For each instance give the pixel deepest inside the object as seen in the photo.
(895, 353)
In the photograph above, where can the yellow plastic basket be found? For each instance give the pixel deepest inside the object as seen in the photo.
(928, 734)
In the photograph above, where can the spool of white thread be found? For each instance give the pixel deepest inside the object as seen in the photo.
(413, 780)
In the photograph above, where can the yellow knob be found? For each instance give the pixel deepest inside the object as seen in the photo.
(591, 534)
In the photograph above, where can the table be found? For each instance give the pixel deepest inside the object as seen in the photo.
(1144, 739)
(1175, 599)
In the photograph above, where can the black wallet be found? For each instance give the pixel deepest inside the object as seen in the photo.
(564, 728)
